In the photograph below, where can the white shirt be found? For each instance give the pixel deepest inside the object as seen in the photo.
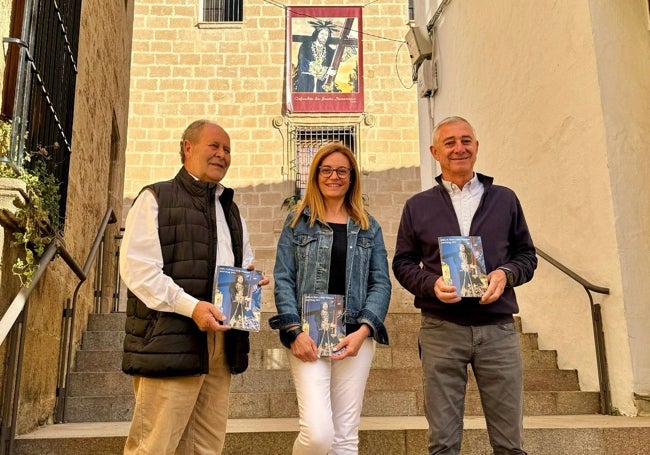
(465, 201)
(141, 261)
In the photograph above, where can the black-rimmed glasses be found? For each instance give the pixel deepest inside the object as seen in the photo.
(342, 172)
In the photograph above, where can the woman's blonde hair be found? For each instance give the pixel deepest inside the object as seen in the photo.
(314, 198)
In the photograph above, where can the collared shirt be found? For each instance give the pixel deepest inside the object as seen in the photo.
(141, 261)
(465, 201)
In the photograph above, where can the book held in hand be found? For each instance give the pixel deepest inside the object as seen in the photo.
(322, 320)
(239, 297)
(463, 264)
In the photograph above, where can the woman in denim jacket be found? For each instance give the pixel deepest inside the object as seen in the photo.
(330, 245)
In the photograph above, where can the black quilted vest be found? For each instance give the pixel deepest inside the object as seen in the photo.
(164, 344)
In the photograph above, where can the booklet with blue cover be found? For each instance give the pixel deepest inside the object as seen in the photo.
(238, 296)
(463, 264)
(322, 320)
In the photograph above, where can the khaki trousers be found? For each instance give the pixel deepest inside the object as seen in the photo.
(182, 415)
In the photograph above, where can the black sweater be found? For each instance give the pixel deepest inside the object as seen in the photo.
(499, 221)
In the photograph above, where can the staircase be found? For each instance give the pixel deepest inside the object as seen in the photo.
(560, 419)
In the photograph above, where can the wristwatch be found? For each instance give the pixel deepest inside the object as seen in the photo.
(510, 277)
(293, 333)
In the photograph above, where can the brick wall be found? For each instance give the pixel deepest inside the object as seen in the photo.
(236, 76)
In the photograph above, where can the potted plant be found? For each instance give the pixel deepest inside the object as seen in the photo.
(34, 219)
(290, 202)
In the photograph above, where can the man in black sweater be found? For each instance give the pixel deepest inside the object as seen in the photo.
(459, 331)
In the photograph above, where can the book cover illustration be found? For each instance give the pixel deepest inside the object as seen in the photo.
(322, 320)
(463, 264)
(238, 296)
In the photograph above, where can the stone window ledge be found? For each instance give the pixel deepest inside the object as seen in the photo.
(12, 195)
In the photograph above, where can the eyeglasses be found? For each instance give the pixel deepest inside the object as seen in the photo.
(342, 172)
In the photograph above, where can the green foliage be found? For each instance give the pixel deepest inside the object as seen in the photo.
(5, 138)
(290, 202)
(38, 218)
(614, 411)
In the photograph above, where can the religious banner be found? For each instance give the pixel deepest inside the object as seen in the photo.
(324, 59)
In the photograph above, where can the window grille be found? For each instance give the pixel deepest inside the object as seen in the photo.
(309, 139)
(223, 10)
(43, 70)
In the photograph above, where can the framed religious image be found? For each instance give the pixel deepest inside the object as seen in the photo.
(324, 70)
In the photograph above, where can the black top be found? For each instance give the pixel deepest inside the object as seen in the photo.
(336, 283)
(499, 221)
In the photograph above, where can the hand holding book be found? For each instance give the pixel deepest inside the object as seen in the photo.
(322, 318)
(208, 317)
(237, 293)
(463, 264)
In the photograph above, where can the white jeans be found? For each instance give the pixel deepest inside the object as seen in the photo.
(330, 397)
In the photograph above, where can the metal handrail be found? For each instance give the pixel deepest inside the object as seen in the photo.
(18, 303)
(597, 325)
(109, 218)
(584, 283)
(17, 311)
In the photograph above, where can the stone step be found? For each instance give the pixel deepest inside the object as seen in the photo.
(107, 340)
(106, 322)
(108, 383)
(115, 408)
(256, 381)
(98, 390)
(399, 336)
(269, 339)
(98, 361)
(402, 328)
(108, 396)
(110, 340)
(101, 349)
(543, 435)
(276, 358)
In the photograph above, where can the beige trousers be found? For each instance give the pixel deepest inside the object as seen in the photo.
(182, 415)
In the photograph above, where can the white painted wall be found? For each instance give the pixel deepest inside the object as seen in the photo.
(559, 95)
(428, 166)
(622, 46)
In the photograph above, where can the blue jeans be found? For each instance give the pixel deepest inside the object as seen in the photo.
(493, 351)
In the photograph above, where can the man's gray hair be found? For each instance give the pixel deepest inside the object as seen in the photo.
(192, 133)
(445, 121)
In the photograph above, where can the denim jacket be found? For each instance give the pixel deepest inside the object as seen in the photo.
(302, 267)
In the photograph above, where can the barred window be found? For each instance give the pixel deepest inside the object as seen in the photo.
(309, 139)
(39, 85)
(223, 10)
